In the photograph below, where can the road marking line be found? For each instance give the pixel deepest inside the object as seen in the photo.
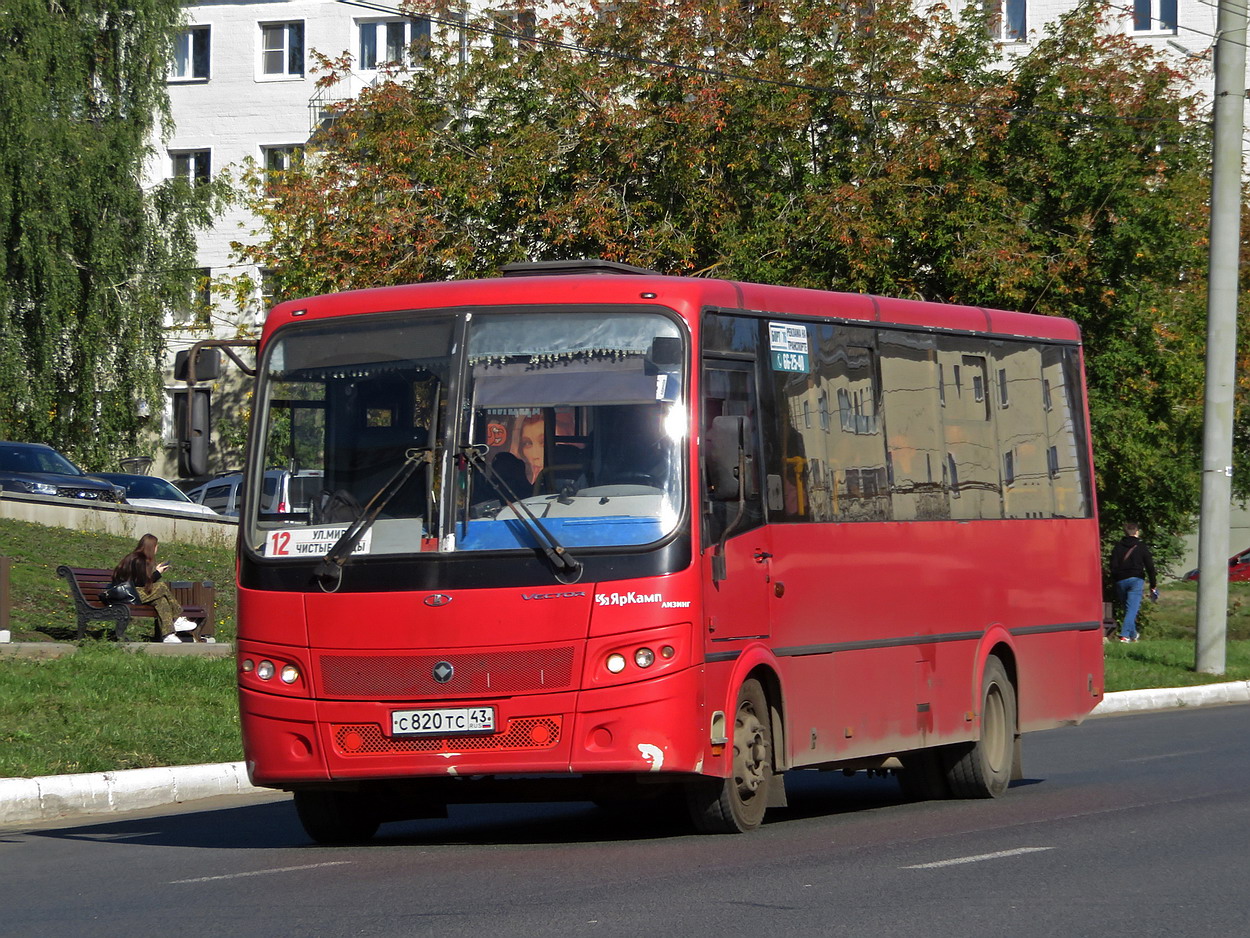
(998, 855)
(1169, 755)
(280, 869)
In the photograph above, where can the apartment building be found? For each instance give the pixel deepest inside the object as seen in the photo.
(242, 86)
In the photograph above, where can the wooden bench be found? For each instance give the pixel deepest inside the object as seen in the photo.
(85, 585)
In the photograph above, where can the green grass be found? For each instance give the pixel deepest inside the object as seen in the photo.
(42, 609)
(1168, 662)
(105, 708)
(1165, 655)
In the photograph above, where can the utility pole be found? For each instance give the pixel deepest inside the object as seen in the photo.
(1225, 246)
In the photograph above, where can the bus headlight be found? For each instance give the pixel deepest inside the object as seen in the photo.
(275, 674)
(645, 656)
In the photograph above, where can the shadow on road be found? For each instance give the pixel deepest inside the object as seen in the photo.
(274, 824)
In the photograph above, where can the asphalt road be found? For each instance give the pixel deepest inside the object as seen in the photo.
(1127, 826)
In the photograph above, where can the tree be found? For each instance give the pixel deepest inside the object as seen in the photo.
(92, 261)
(869, 148)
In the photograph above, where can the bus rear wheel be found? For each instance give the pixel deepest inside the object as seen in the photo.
(736, 804)
(336, 818)
(983, 769)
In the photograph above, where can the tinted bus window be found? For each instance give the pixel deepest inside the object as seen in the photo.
(911, 392)
(1066, 446)
(972, 460)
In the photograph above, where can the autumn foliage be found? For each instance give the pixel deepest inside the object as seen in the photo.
(867, 147)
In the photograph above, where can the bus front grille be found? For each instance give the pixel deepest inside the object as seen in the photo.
(378, 676)
(367, 739)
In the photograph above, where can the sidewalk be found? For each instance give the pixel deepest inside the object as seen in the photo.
(61, 649)
(52, 796)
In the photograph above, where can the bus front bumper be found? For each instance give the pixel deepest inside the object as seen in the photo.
(639, 728)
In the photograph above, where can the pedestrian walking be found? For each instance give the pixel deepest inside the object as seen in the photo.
(1131, 564)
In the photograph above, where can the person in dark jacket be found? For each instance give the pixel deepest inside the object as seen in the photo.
(1131, 563)
(140, 568)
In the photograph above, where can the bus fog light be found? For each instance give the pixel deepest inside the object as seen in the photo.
(667, 652)
(290, 674)
(247, 665)
(644, 657)
(265, 670)
(616, 663)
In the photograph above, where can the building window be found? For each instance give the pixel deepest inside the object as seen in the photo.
(191, 48)
(191, 165)
(393, 42)
(204, 288)
(1008, 19)
(199, 299)
(1154, 16)
(512, 27)
(282, 50)
(268, 289)
(277, 161)
(1003, 400)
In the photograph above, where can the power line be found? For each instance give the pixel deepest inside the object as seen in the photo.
(904, 100)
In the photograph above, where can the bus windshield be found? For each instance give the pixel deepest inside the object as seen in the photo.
(472, 431)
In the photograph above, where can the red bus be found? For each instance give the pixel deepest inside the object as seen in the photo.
(585, 531)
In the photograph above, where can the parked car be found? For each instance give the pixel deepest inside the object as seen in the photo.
(1238, 567)
(282, 492)
(40, 470)
(154, 492)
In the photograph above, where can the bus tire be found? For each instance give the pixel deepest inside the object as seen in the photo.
(736, 804)
(983, 769)
(336, 818)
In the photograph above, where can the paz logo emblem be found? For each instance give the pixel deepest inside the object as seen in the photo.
(437, 599)
(443, 672)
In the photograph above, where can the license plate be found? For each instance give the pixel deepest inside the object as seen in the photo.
(451, 721)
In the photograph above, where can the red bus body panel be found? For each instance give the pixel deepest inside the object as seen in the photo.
(874, 634)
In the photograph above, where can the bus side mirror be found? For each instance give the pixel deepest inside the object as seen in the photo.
(191, 422)
(727, 457)
(207, 365)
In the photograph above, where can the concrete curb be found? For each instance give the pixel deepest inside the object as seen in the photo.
(53, 796)
(1168, 698)
(61, 649)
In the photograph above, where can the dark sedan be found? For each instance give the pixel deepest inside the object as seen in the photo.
(36, 469)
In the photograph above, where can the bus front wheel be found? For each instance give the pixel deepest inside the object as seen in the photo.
(736, 804)
(983, 769)
(335, 818)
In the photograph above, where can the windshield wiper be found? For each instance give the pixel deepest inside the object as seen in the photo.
(331, 566)
(568, 569)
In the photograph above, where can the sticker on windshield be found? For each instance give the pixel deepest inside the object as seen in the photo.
(788, 343)
(310, 542)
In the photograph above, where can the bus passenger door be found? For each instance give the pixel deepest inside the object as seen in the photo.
(736, 552)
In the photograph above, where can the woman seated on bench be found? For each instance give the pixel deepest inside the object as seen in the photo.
(140, 568)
